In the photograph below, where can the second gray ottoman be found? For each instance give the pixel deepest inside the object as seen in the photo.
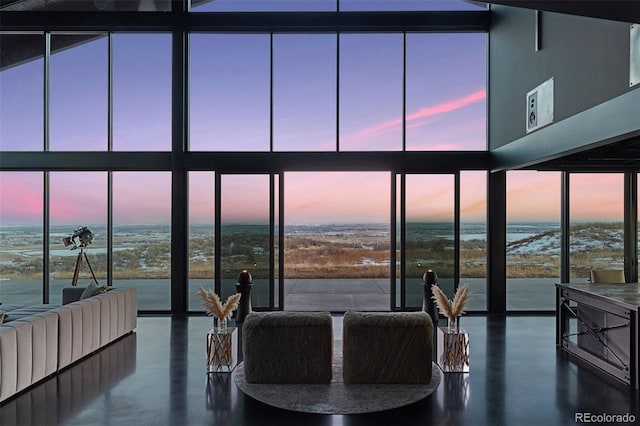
(287, 347)
(387, 347)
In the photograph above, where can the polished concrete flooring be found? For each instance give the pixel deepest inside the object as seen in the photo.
(156, 376)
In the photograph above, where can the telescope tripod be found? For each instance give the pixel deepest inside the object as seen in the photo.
(76, 271)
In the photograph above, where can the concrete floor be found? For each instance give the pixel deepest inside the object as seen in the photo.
(156, 376)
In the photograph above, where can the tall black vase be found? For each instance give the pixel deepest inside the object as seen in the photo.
(428, 305)
(428, 279)
(244, 287)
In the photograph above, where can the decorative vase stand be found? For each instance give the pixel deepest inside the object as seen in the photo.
(222, 350)
(453, 350)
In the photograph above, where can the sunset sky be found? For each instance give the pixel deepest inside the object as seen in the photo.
(230, 110)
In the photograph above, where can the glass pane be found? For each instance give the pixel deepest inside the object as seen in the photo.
(429, 233)
(596, 240)
(142, 92)
(229, 92)
(446, 92)
(77, 200)
(337, 241)
(142, 236)
(78, 93)
(370, 92)
(201, 235)
(245, 234)
(473, 236)
(304, 114)
(21, 237)
(263, 5)
(533, 239)
(373, 5)
(21, 92)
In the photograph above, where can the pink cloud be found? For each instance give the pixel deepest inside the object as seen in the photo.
(416, 119)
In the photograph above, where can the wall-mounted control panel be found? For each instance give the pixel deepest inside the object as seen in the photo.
(540, 106)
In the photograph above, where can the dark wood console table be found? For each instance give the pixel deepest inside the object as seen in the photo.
(598, 324)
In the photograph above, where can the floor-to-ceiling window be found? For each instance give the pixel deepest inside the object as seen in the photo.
(473, 236)
(596, 239)
(430, 233)
(290, 94)
(244, 234)
(337, 241)
(533, 239)
(201, 235)
(77, 200)
(21, 237)
(142, 236)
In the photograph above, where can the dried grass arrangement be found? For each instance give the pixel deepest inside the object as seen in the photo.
(214, 307)
(451, 309)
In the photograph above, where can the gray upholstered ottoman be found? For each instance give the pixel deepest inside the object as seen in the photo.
(287, 347)
(387, 347)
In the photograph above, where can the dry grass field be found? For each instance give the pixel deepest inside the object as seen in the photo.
(326, 255)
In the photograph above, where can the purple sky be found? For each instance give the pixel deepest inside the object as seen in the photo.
(230, 110)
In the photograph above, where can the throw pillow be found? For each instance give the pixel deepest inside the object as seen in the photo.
(91, 290)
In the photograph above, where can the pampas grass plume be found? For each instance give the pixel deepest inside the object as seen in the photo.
(214, 307)
(460, 300)
(451, 308)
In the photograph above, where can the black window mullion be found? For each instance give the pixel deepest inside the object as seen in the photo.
(110, 173)
(46, 221)
(217, 237)
(338, 91)
(403, 241)
(456, 231)
(394, 241)
(46, 232)
(404, 91)
(281, 242)
(271, 240)
(565, 266)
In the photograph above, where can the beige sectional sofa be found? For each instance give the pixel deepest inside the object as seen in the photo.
(37, 345)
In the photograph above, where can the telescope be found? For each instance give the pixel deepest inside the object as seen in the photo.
(81, 237)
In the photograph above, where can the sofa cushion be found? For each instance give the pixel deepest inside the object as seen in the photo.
(92, 289)
(26, 311)
(71, 294)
